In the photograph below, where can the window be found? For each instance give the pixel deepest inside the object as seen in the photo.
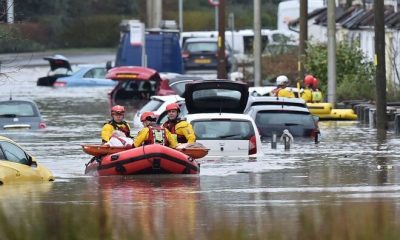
(284, 118)
(202, 47)
(19, 109)
(223, 129)
(152, 105)
(13, 153)
(96, 73)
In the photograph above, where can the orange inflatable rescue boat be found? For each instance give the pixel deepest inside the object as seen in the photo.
(148, 159)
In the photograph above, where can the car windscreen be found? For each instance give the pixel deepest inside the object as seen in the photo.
(217, 100)
(219, 129)
(290, 118)
(151, 105)
(17, 109)
(202, 47)
(179, 87)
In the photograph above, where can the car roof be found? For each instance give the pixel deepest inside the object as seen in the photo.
(201, 39)
(267, 100)
(167, 98)
(2, 138)
(282, 108)
(208, 96)
(204, 116)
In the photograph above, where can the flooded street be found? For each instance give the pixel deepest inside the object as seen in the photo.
(345, 187)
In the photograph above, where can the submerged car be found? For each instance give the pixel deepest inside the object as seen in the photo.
(20, 114)
(17, 165)
(61, 74)
(59, 67)
(86, 76)
(133, 83)
(273, 115)
(215, 110)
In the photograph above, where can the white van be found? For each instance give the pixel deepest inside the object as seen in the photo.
(241, 42)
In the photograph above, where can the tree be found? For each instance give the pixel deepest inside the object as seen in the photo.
(355, 74)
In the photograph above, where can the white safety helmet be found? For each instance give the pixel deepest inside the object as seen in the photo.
(282, 79)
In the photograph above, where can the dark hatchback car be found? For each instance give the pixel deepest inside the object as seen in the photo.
(202, 54)
(274, 115)
(20, 114)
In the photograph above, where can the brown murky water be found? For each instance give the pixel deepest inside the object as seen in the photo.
(345, 187)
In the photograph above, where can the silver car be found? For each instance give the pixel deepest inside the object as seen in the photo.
(20, 114)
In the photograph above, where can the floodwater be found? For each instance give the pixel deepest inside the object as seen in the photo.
(345, 187)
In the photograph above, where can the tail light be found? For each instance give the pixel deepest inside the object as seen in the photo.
(185, 54)
(42, 125)
(59, 84)
(315, 134)
(252, 145)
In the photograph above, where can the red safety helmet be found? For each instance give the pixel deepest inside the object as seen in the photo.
(315, 83)
(148, 116)
(117, 109)
(309, 80)
(173, 106)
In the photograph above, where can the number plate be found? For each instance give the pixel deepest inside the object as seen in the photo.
(202, 60)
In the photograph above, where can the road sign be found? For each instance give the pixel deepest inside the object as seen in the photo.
(136, 33)
(214, 2)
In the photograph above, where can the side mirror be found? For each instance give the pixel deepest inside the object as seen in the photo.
(31, 162)
(108, 65)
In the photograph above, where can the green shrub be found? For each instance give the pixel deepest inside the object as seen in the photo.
(354, 73)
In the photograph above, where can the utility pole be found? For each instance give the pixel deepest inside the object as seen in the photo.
(380, 77)
(181, 15)
(154, 13)
(257, 43)
(221, 74)
(331, 52)
(303, 37)
(10, 11)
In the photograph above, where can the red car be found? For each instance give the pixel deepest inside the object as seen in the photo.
(133, 83)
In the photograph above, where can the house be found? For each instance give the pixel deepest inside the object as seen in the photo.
(356, 26)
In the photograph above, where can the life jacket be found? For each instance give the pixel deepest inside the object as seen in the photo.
(317, 96)
(156, 136)
(124, 128)
(171, 126)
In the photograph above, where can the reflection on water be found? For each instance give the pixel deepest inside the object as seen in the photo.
(345, 187)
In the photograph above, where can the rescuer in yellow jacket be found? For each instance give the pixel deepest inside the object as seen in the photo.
(316, 94)
(153, 134)
(116, 123)
(307, 94)
(180, 129)
(282, 91)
